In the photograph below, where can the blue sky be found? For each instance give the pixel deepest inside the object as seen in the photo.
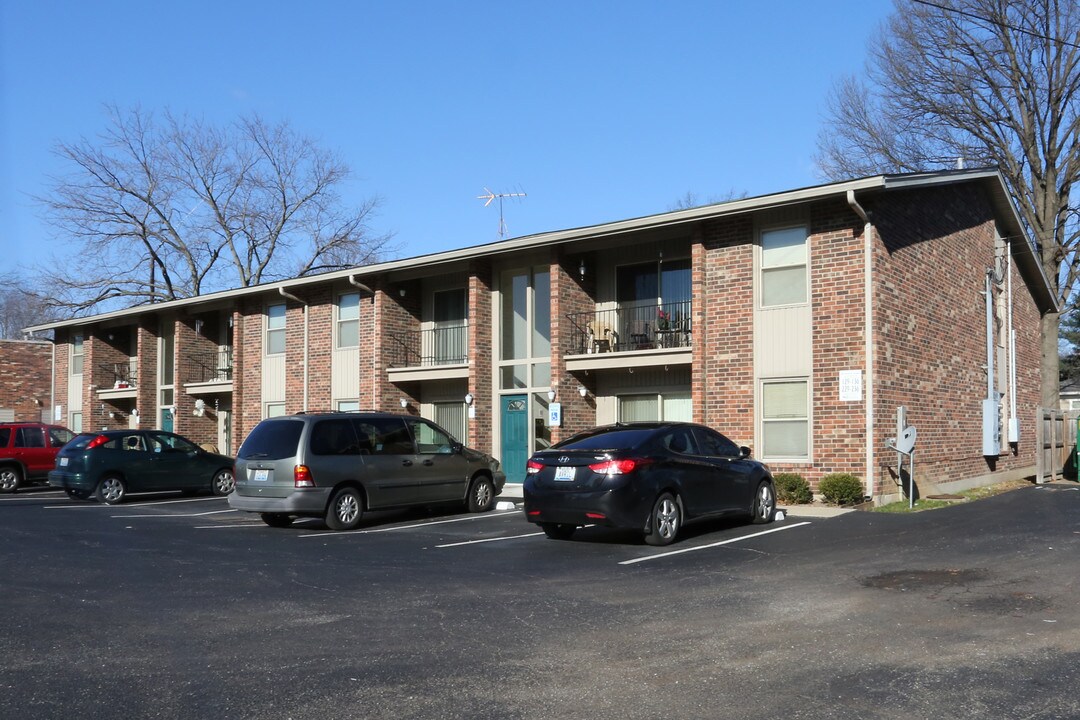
(599, 111)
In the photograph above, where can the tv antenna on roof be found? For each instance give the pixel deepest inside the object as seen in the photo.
(492, 196)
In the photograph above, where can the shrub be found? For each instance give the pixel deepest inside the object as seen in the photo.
(792, 488)
(841, 489)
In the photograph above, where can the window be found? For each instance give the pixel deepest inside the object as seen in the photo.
(29, 437)
(785, 420)
(713, 443)
(452, 416)
(274, 409)
(275, 329)
(348, 406)
(783, 267)
(681, 441)
(334, 437)
(58, 437)
(449, 336)
(76, 422)
(430, 440)
(77, 355)
(384, 437)
(348, 321)
(667, 406)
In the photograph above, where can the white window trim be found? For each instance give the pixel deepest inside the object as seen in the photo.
(759, 265)
(761, 421)
(338, 321)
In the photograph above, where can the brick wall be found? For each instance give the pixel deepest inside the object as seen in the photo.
(25, 383)
(61, 376)
(480, 363)
(247, 368)
(570, 294)
(930, 320)
(394, 313)
(723, 397)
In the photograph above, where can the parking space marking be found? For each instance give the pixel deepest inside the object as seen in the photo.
(712, 545)
(134, 505)
(229, 525)
(176, 515)
(409, 527)
(487, 540)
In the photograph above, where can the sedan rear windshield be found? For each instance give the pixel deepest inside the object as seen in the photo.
(272, 440)
(609, 440)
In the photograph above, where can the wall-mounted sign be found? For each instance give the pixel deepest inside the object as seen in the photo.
(555, 415)
(850, 385)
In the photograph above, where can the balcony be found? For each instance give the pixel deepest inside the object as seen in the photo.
(208, 372)
(633, 334)
(118, 380)
(432, 353)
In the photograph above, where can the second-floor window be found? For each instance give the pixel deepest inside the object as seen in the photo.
(783, 267)
(348, 320)
(275, 329)
(77, 355)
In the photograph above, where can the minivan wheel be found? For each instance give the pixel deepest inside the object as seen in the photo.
(481, 495)
(10, 479)
(665, 520)
(764, 504)
(223, 482)
(345, 510)
(276, 519)
(111, 490)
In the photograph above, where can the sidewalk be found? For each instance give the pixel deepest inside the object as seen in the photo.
(512, 498)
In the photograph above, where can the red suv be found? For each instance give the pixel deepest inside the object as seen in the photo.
(28, 452)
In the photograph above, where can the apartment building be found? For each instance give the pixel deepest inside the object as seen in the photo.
(25, 377)
(798, 323)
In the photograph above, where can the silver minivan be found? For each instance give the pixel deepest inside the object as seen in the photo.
(337, 465)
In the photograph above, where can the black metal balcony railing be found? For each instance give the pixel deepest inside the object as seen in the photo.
(119, 375)
(212, 366)
(429, 348)
(636, 326)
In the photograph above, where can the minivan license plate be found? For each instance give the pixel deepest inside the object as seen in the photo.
(564, 473)
(261, 475)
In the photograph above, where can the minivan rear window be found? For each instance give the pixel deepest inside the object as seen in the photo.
(272, 440)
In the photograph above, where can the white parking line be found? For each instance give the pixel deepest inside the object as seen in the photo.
(487, 540)
(230, 525)
(134, 505)
(712, 545)
(178, 515)
(409, 527)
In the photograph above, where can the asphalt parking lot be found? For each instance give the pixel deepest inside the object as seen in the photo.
(177, 607)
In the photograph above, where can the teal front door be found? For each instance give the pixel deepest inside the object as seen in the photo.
(167, 420)
(515, 436)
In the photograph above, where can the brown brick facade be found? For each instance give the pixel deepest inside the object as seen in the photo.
(25, 380)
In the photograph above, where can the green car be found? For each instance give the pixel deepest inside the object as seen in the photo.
(113, 463)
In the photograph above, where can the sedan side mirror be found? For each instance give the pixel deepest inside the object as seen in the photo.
(745, 452)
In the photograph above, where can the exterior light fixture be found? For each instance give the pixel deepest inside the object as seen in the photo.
(468, 398)
(582, 390)
(404, 403)
(401, 292)
(581, 268)
(551, 394)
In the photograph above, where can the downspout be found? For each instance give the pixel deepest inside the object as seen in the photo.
(1014, 423)
(292, 297)
(868, 323)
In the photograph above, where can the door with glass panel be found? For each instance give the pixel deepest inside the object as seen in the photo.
(654, 304)
(448, 339)
(515, 437)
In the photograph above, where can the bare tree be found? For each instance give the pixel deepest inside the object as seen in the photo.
(19, 308)
(987, 82)
(157, 213)
(691, 199)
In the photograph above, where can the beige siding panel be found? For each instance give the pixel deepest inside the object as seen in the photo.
(345, 374)
(782, 342)
(273, 378)
(74, 398)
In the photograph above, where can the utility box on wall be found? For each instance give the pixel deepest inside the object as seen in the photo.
(991, 425)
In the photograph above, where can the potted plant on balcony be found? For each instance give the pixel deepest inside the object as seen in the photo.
(663, 320)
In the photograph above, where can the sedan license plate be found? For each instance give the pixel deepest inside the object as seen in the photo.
(261, 475)
(564, 473)
(63, 462)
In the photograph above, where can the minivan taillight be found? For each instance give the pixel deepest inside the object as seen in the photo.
(97, 442)
(302, 477)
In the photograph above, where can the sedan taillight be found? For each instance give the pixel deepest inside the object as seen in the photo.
(532, 467)
(618, 467)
